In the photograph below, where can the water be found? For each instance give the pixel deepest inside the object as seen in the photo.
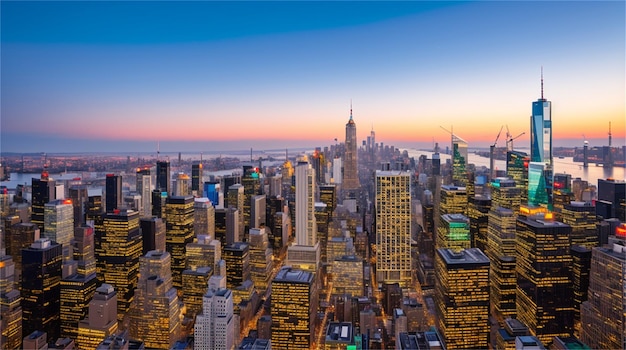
(565, 165)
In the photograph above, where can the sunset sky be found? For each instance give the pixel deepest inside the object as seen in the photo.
(197, 76)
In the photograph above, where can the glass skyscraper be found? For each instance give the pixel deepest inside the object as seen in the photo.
(540, 170)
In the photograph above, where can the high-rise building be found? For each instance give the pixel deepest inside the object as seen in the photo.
(212, 192)
(294, 305)
(18, 237)
(236, 200)
(101, 321)
(517, 169)
(237, 258)
(459, 161)
(478, 215)
(144, 188)
(178, 233)
(59, 224)
(581, 266)
(462, 298)
(118, 248)
(216, 327)
(155, 312)
(347, 274)
(501, 252)
(251, 182)
(540, 169)
(43, 192)
(113, 193)
(196, 179)
(79, 196)
(581, 216)
(260, 259)
(452, 200)
(194, 287)
(350, 169)
(10, 305)
(152, 234)
(544, 295)
(505, 194)
(182, 185)
(393, 227)
(159, 198)
(603, 325)
(203, 252)
(41, 262)
(258, 211)
(614, 192)
(163, 177)
(454, 232)
(203, 217)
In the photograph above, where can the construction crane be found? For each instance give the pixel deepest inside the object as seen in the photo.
(492, 149)
(509, 139)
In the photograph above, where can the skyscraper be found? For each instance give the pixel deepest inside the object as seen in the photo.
(393, 227)
(216, 326)
(43, 192)
(113, 193)
(41, 262)
(459, 161)
(196, 179)
(260, 259)
(294, 305)
(59, 224)
(237, 258)
(155, 312)
(163, 177)
(517, 169)
(10, 305)
(144, 188)
(101, 321)
(152, 233)
(603, 325)
(544, 295)
(178, 233)
(540, 170)
(236, 199)
(118, 248)
(462, 297)
(203, 217)
(350, 170)
(501, 252)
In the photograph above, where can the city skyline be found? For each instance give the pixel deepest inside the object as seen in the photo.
(88, 76)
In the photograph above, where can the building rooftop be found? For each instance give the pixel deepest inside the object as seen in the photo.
(339, 332)
(470, 256)
(289, 274)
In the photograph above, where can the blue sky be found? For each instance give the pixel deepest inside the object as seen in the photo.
(233, 75)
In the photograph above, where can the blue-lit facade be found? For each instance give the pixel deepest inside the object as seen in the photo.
(212, 192)
(540, 170)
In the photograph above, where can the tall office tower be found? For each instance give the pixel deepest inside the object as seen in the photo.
(393, 227)
(258, 211)
(478, 215)
(59, 224)
(251, 182)
(581, 216)
(18, 237)
(281, 231)
(501, 253)
(232, 226)
(459, 161)
(178, 233)
(144, 188)
(94, 208)
(118, 248)
(305, 251)
(544, 295)
(196, 179)
(452, 200)
(581, 266)
(294, 304)
(505, 193)
(79, 196)
(322, 220)
(348, 276)
(237, 258)
(154, 314)
(152, 234)
(328, 196)
(43, 192)
(337, 173)
(203, 252)
(602, 315)
(261, 263)
(194, 287)
(163, 177)
(113, 193)
(101, 321)
(306, 228)
(182, 185)
(226, 182)
(10, 305)
(517, 169)
(350, 169)
(203, 217)
(540, 169)
(613, 193)
(159, 198)
(275, 183)
(236, 199)
(41, 262)
(454, 232)
(212, 190)
(78, 288)
(220, 225)
(462, 298)
(318, 161)
(216, 327)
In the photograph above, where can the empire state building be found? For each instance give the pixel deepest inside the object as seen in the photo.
(350, 174)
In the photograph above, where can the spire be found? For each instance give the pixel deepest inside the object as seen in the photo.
(350, 109)
(542, 82)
